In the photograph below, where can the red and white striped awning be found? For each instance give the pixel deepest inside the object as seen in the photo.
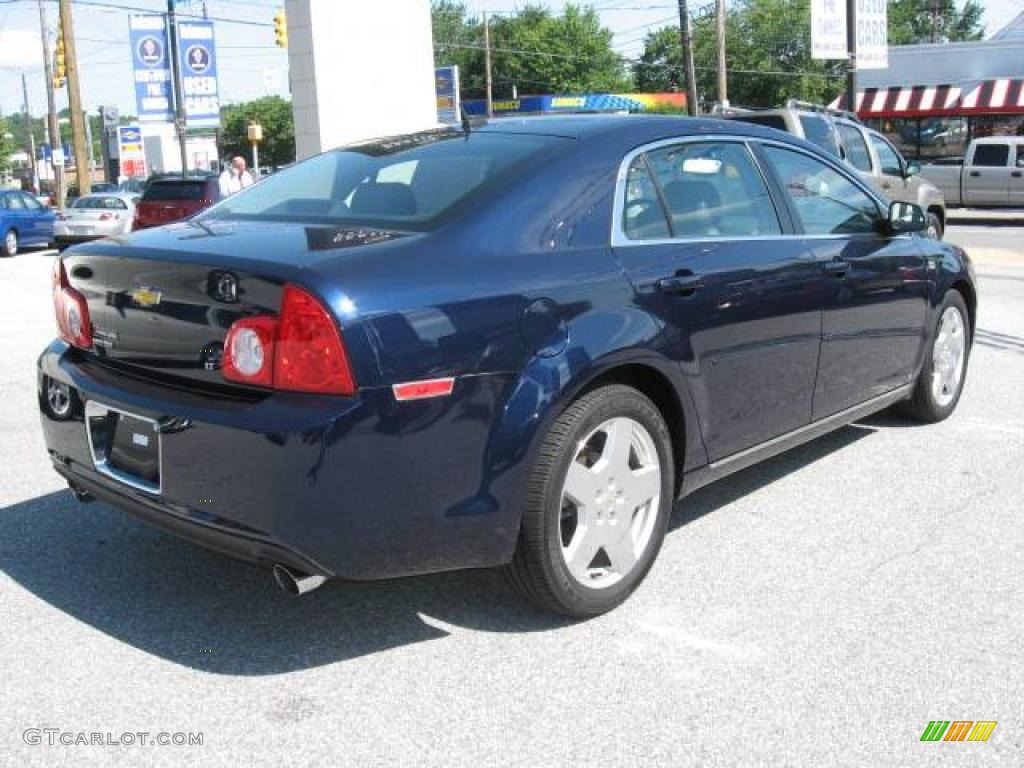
(1003, 95)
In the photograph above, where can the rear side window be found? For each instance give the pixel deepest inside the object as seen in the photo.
(855, 146)
(643, 218)
(826, 202)
(818, 131)
(15, 203)
(412, 182)
(713, 189)
(991, 155)
(160, 191)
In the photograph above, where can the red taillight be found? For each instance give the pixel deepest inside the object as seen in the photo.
(299, 350)
(71, 310)
(106, 216)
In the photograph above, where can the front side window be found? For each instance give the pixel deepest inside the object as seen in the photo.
(991, 155)
(15, 203)
(855, 146)
(887, 157)
(1020, 155)
(825, 201)
(643, 218)
(412, 182)
(713, 189)
(31, 203)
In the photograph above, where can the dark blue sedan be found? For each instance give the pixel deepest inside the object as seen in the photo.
(23, 221)
(515, 345)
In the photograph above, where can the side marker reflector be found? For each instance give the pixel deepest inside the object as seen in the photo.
(419, 390)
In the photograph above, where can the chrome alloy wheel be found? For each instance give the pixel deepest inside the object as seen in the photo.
(948, 357)
(609, 502)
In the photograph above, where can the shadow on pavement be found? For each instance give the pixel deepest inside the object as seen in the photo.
(169, 598)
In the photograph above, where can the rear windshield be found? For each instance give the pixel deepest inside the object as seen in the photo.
(106, 203)
(412, 182)
(175, 190)
(768, 121)
(818, 130)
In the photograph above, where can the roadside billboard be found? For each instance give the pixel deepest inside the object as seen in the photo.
(197, 59)
(151, 67)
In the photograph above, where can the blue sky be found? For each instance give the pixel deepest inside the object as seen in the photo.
(249, 63)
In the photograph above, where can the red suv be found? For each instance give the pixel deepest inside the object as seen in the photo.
(172, 198)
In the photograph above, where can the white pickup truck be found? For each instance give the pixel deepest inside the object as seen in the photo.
(991, 174)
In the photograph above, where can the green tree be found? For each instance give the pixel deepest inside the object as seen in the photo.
(6, 145)
(934, 21)
(532, 49)
(768, 57)
(275, 115)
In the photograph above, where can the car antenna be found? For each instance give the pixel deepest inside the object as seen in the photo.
(465, 120)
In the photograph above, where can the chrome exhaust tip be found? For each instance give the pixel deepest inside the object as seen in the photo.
(296, 583)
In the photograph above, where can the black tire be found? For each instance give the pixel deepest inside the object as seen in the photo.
(538, 569)
(9, 247)
(935, 229)
(923, 405)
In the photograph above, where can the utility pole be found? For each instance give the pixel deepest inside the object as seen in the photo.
(851, 47)
(53, 130)
(75, 100)
(487, 66)
(685, 41)
(723, 78)
(179, 103)
(31, 138)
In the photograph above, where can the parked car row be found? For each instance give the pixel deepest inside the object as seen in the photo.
(867, 151)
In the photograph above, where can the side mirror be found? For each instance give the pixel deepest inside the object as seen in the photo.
(906, 217)
(913, 168)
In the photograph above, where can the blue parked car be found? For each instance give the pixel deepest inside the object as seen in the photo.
(512, 345)
(24, 221)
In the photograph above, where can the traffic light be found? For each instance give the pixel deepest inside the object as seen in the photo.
(280, 30)
(60, 72)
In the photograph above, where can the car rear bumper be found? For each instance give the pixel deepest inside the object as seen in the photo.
(360, 488)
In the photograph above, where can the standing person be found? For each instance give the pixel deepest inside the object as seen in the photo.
(235, 177)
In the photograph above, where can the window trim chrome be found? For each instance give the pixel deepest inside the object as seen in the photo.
(618, 238)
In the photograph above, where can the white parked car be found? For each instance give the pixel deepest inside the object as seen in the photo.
(95, 216)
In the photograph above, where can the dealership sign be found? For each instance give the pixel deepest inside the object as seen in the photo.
(828, 32)
(197, 58)
(151, 66)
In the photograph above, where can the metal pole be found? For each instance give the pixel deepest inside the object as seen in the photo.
(487, 66)
(53, 130)
(851, 47)
(67, 24)
(31, 137)
(723, 79)
(179, 104)
(256, 159)
(688, 70)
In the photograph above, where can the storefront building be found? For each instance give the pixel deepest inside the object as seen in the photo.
(933, 99)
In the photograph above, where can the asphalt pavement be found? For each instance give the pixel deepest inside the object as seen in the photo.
(815, 610)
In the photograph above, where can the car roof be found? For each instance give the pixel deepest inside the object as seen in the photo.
(580, 126)
(116, 193)
(1000, 140)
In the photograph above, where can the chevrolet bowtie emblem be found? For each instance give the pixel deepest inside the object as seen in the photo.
(146, 297)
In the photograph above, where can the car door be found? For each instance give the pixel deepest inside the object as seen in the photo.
(39, 218)
(987, 176)
(17, 217)
(1016, 191)
(876, 302)
(709, 253)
